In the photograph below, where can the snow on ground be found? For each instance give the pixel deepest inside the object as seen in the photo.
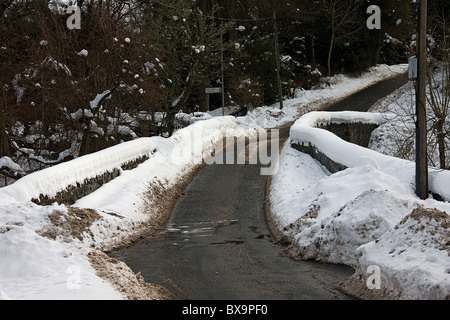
(362, 216)
(36, 267)
(49, 252)
(413, 257)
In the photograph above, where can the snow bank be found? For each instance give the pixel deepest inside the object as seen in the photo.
(413, 257)
(175, 156)
(328, 216)
(35, 267)
(361, 216)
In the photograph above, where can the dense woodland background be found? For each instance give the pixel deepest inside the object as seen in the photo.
(134, 65)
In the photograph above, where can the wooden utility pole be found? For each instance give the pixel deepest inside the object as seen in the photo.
(277, 55)
(221, 73)
(421, 121)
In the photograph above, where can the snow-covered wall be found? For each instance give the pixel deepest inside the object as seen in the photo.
(318, 118)
(185, 146)
(305, 133)
(47, 183)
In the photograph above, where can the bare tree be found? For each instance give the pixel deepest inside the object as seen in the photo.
(438, 97)
(187, 42)
(342, 16)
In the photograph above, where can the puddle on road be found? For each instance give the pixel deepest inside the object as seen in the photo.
(187, 232)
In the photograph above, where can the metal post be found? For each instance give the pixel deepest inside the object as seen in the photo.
(239, 28)
(223, 86)
(277, 55)
(421, 122)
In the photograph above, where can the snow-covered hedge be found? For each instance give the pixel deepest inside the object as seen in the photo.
(349, 155)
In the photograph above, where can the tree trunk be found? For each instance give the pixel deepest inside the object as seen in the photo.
(84, 146)
(4, 143)
(441, 143)
(330, 51)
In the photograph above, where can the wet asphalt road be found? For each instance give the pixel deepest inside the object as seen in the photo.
(217, 244)
(364, 99)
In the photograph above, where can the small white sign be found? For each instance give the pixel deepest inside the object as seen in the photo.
(213, 90)
(412, 69)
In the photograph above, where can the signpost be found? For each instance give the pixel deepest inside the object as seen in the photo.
(412, 68)
(211, 90)
(277, 55)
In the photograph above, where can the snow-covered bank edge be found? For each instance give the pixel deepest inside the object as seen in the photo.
(366, 216)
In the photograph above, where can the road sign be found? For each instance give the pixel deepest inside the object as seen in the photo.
(213, 90)
(412, 69)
